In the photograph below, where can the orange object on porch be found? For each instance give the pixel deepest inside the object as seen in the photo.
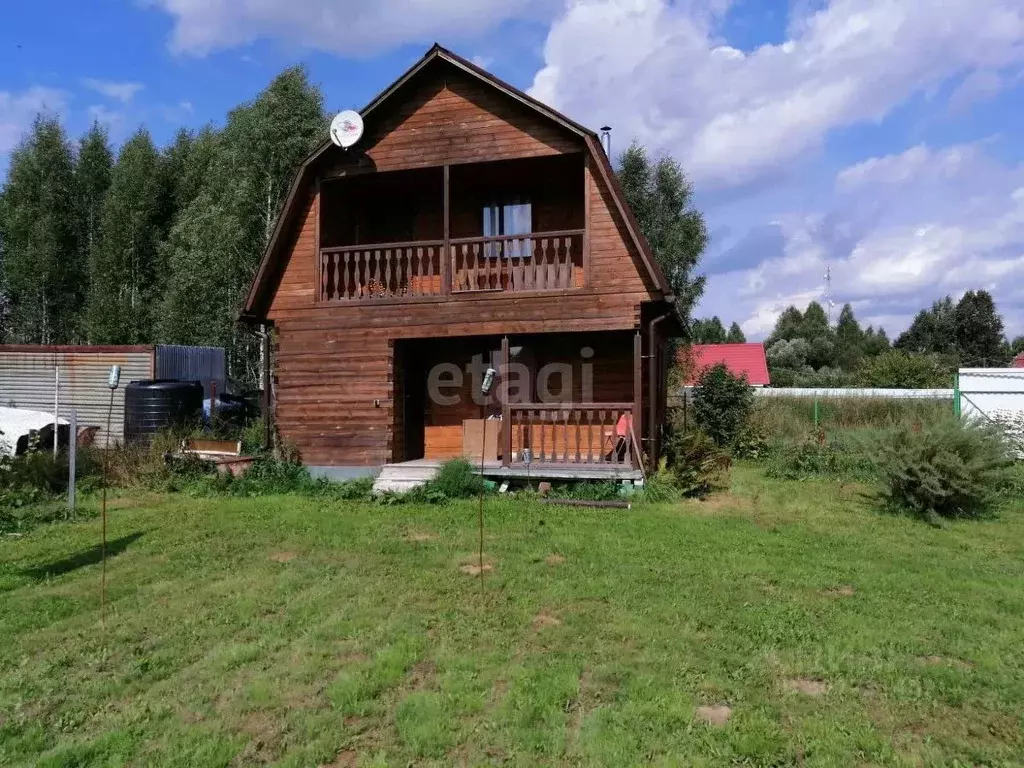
(618, 441)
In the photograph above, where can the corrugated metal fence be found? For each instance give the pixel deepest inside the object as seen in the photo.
(202, 364)
(29, 373)
(28, 378)
(995, 395)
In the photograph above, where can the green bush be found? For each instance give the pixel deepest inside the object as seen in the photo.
(695, 462)
(587, 491)
(454, 480)
(721, 404)
(903, 370)
(950, 469)
(660, 487)
(818, 455)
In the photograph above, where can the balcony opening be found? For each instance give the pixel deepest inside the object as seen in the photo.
(513, 225)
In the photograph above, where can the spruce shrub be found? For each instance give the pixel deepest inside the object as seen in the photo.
(695, 462)
(722, 403)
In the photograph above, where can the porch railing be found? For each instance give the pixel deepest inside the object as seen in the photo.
(544, 261)
(576, 433)
(390, 271)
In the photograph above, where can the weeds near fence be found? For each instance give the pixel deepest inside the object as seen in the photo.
(791, 418)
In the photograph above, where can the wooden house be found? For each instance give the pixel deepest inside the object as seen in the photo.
(470, 227)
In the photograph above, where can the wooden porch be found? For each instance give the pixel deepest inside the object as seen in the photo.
(560, 402)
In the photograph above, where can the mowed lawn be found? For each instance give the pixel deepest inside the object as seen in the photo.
(777, 624)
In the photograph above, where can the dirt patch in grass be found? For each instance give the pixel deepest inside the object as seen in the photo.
(421, 676)
(945, 661)
(264, 744)
(544, 620)
(283, 557)
(578, 707)
(347, 758)
(469, 564)
(846, 590)
(554, 559)
(807, 686)
(717, 503)
(498, 691)
(716, 715)
(419, 537)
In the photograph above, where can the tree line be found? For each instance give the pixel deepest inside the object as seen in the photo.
(153, 245)
(158, 245)
(805, 350)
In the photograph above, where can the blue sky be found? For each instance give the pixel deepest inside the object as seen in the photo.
(881, 138)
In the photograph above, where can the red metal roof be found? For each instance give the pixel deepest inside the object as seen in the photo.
(1018, 361)
(738, 358)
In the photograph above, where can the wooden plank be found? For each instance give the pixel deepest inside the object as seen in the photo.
(506, 413)
(586, 221)
(318, 277)
(638, 387)
(446, 255)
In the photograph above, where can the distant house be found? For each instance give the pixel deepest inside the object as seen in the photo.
(746, 359)
(1018, 361)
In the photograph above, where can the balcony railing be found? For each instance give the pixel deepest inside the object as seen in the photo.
(571, 433)
(544, 261)
(395, 270)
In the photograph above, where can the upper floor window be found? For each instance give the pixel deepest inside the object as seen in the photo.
(513, 216)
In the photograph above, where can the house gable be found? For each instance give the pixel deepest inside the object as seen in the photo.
(447, 111)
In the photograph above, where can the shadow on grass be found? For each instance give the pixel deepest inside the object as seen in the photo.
(82, 559)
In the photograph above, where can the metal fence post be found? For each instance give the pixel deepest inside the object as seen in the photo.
(72, 451)
(956, 395)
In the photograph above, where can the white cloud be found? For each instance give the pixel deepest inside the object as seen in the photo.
(112, 119)
(17, 110)
(346, 27)
(943, 221)
(909, 165)
(659, 72)
(977, 86)
(118, 91)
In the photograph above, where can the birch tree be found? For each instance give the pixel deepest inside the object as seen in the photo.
(44, 274)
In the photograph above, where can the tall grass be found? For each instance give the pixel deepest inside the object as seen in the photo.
(792, 418)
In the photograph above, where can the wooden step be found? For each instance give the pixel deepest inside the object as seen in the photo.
(400, 478)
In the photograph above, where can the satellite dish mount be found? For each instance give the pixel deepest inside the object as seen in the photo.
(346, 128)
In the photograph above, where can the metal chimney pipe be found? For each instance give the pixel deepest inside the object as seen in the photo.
(606, 139)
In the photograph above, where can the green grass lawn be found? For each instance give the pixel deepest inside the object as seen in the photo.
(297, 631)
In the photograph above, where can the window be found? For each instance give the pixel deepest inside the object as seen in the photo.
(511, 217)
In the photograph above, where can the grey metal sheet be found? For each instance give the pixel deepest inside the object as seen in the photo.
(202, 364)
(27, 381)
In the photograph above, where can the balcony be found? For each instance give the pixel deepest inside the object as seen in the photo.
(510, 227)
(546, 261)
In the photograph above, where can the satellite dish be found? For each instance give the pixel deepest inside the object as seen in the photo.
(346, 128)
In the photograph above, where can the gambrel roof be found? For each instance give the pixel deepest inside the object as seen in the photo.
(256, 303)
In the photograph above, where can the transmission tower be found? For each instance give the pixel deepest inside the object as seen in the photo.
(828, 293)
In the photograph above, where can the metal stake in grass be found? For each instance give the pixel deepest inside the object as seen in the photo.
(485, 390)
(112, 382)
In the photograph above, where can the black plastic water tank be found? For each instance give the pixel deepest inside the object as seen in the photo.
(152, 406)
